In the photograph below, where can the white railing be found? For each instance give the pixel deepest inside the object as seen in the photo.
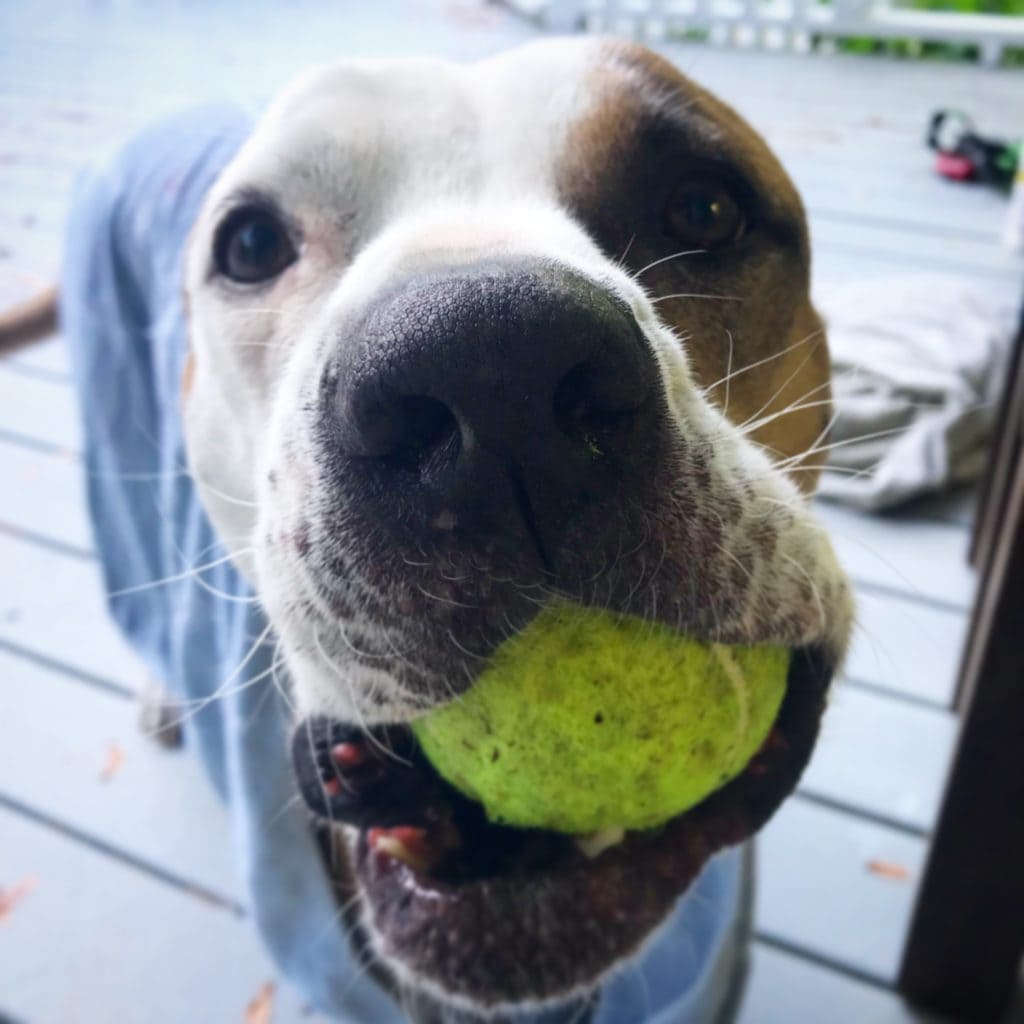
(779, 24)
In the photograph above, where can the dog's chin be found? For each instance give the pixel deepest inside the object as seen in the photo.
(505, 916)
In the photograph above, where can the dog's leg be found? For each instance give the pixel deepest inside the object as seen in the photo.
(160, 716)
(29, 321)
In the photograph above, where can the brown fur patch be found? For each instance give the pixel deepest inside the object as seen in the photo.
(744, 312)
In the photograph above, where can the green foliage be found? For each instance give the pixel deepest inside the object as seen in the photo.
(1010, 7)
(916, 49)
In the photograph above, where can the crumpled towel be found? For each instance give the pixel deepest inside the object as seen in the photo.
(918, 363)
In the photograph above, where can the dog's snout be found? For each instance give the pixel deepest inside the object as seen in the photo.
(493, 397)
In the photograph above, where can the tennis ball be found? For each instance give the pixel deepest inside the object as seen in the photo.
(588, 721)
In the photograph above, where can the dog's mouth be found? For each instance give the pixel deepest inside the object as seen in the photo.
(496, 914)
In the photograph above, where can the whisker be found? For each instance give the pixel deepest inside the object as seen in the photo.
(841, 444)
(224, 595)
(750, 428)
(360, 720)
(197, 705)
(830, 531)
(665, 259)
(222, 495)
(621, 261)
(187, 574)
(822, 617)
(728, 373)
(443, 600)
(761, 362)
(697, 295)
(782, 387)
(276, 664)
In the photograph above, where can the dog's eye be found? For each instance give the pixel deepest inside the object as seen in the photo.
(252, 246)
(705, 213)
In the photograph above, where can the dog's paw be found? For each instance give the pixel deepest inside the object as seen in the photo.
(160, 717)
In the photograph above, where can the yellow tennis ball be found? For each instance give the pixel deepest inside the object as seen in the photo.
(587, 721)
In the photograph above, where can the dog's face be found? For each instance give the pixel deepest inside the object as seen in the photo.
(469, 338)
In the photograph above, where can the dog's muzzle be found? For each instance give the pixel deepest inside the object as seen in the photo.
(487, 438)
(496, 400)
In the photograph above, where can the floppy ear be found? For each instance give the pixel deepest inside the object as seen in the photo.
(794, 425)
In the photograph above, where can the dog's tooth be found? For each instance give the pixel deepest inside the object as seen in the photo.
(409, 845)
(597, 842)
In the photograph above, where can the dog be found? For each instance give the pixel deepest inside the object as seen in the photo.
(463, 340)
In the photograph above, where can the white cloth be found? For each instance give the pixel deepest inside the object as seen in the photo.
(918, 364)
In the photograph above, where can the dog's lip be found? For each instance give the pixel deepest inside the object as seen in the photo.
(490, 939)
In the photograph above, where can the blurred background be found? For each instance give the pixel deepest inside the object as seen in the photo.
(896, 869)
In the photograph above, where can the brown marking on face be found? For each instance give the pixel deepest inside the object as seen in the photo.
(799, 380)
(649, 128)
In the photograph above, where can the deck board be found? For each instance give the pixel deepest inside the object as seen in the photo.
(882, 756)
(97, 940)
(922, 559)
(42, 410)
(104, 778)
(52, 604)
(906, 646)
(50, 357)
(45, 495)
(787, 989)
(817, 890)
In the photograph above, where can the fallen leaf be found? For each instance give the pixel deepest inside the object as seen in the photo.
(261, 1009)
(888, 869)
(11, 896)
(112, 765)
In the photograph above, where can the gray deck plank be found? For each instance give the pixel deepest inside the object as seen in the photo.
(44, 494)
(817, 890)
(919, 558)
(95, 940)
(77, 755)
(786, 989)
(906, 646)
(882, 756)
(52, 604)
(42, 410)
(916, 251)
(50, 356)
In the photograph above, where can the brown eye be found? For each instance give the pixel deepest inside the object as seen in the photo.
(252, 245)
(704, 213)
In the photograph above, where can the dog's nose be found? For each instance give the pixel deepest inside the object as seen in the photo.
(496, 399)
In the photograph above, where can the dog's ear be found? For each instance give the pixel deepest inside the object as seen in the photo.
(794, 425)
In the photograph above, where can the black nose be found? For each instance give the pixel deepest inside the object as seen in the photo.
(496, 399)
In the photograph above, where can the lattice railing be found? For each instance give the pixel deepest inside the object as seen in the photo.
(780, 24)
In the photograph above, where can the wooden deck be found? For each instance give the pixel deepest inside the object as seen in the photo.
(114, 856)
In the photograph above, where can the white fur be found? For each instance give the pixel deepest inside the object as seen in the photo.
(395, 167)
